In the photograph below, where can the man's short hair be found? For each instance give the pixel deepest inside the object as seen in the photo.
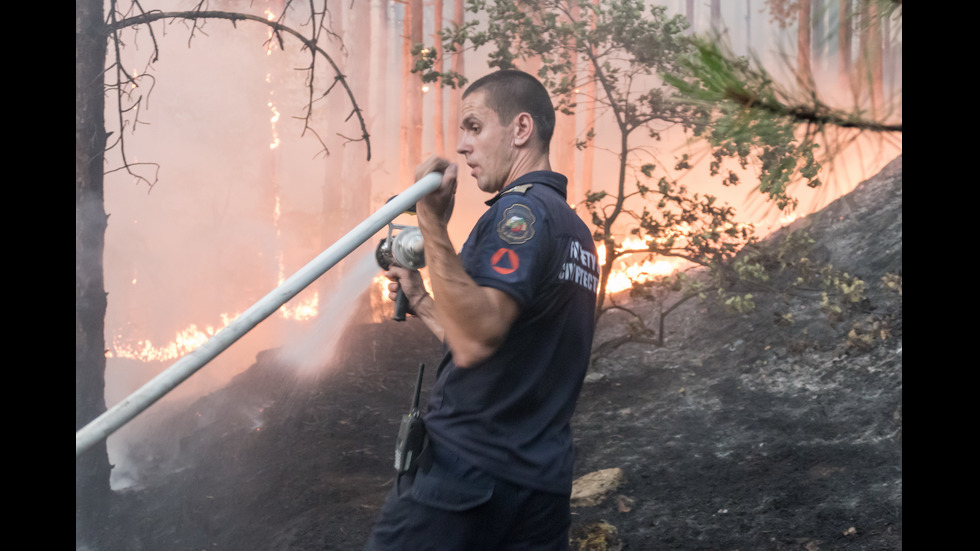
(509, 92)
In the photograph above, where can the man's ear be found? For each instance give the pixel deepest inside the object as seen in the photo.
(523, 129)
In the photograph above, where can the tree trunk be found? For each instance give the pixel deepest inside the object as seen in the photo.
(438, 128)
(871, 70)
(333, 222)
(588, 155)
(410, 148)
(819, 48)
(92, 492)
(804, 70)
(844, 46)
(563, 142)
(356, 178)
(455, 95)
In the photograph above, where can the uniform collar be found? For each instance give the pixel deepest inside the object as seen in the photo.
(554, 180)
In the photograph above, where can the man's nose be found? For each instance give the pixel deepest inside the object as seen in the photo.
(463, 147)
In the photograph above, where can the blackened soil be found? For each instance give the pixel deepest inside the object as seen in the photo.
(776, 430)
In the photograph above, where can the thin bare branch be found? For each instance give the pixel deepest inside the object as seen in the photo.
(146, 18)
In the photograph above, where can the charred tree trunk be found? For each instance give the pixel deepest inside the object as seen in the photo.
(92, 492)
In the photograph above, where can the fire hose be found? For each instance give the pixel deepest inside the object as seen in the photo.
(131, 406)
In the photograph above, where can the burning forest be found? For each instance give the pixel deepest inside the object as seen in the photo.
(237, 152)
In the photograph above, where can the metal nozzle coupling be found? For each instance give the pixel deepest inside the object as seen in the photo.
(408, 249)
(405, 249)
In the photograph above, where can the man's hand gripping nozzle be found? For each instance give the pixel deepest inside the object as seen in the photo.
(404, 249)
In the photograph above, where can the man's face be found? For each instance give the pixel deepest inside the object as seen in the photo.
(487, 144)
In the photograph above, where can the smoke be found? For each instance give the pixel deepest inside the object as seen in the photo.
(203, 244)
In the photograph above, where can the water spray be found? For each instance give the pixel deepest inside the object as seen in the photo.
(131, 406)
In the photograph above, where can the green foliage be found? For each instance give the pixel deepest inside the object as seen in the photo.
(842, 291)
(792, 261)
(739, 303)
(748, 119)
(785, 133)
(625, 46)
(623, 40)
(893, 282)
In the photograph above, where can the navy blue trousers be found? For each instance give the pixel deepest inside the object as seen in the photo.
(451, 506)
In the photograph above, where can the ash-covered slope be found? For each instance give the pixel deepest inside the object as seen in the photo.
(777, 429)
(744, 432)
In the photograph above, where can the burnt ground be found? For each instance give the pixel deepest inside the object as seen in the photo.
(778, 429)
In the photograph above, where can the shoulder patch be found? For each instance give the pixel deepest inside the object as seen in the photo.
(516, 225)
(522, 189)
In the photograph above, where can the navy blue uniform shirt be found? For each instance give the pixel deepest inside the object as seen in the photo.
(510, 415)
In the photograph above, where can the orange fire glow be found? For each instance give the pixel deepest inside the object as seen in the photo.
(185, 341)
(270, 16)
(193, 336)
(627, 271)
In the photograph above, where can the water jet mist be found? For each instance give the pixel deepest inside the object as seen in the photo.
(121, 413)
(310, 351)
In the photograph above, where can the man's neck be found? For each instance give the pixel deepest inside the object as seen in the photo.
(528, 163)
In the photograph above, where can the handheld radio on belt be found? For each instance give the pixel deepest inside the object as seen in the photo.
(411, 433)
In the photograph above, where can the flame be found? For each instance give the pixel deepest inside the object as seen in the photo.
(185, 341)
(626, 273)
(787, 218)
(189, 339)
(268, 78)
(305, 310)
(381, 284)
(381, 304)
(270, 16)
(274, 119)
(193, 336)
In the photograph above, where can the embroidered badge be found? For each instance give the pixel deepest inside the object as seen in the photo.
(517, 225)
(505, 261)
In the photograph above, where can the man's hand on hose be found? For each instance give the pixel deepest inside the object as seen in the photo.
(410, 282)
(438, 205)
(420, 303)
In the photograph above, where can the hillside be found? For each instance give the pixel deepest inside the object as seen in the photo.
(778, 429)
